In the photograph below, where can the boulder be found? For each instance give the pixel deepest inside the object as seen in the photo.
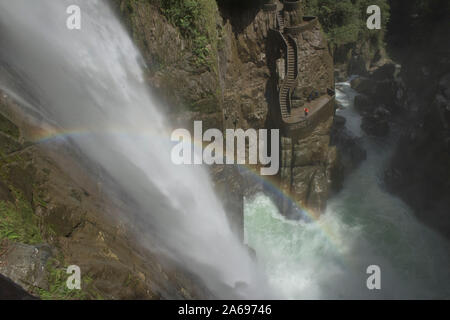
(386, 93)
(389, 92)
(12, 291)
(364, 86)
(25, 264)
(385, 72)
(377, 123)
(363, 103)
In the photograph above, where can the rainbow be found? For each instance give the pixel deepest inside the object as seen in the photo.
(43, 136)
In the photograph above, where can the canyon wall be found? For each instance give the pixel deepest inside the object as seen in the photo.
(419, 171)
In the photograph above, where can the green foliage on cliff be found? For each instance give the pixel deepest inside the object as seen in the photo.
(18, 223)
(57, 279)
(344, 21)
(197, 21)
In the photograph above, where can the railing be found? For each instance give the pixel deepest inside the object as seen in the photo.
(287, 83)
(309, 23)
(296, 74)
(280, 22)
(295, 46)
(285, 80)
(285, 46)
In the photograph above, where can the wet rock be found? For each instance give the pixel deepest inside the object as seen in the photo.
(25, 264)
(319, 191)
(312, 150)
(335, 170)
(351, 151)
(12, 291)
(63, 220)
(364, 85)
(339, 122)
(386, 93)
(377, 123)
(363, 103)
(230, 185)
(340, 75)
(418, 171)
(385, 72)
(444, 85)
(357, 65)
(302, 179)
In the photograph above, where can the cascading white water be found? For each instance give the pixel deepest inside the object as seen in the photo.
(364, 225)
(91, 81)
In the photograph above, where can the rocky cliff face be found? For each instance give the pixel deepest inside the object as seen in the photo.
(241, 81)
(53, 214)
(419, 170)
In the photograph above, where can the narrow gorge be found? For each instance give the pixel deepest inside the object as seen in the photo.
(86, 177)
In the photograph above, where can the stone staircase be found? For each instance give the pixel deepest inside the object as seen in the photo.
(290, 79)
(280, 20)
(293, 120)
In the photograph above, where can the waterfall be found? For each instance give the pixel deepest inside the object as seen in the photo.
(90, 84)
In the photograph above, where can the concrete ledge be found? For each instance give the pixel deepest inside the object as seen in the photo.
(308, 23)
(303, 127)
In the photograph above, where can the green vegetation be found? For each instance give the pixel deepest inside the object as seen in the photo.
(344, 21)
(18, 223)
(197, 22)
(57, 277)
(9, 128)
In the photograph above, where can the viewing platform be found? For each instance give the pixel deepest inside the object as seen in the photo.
(320, 109)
